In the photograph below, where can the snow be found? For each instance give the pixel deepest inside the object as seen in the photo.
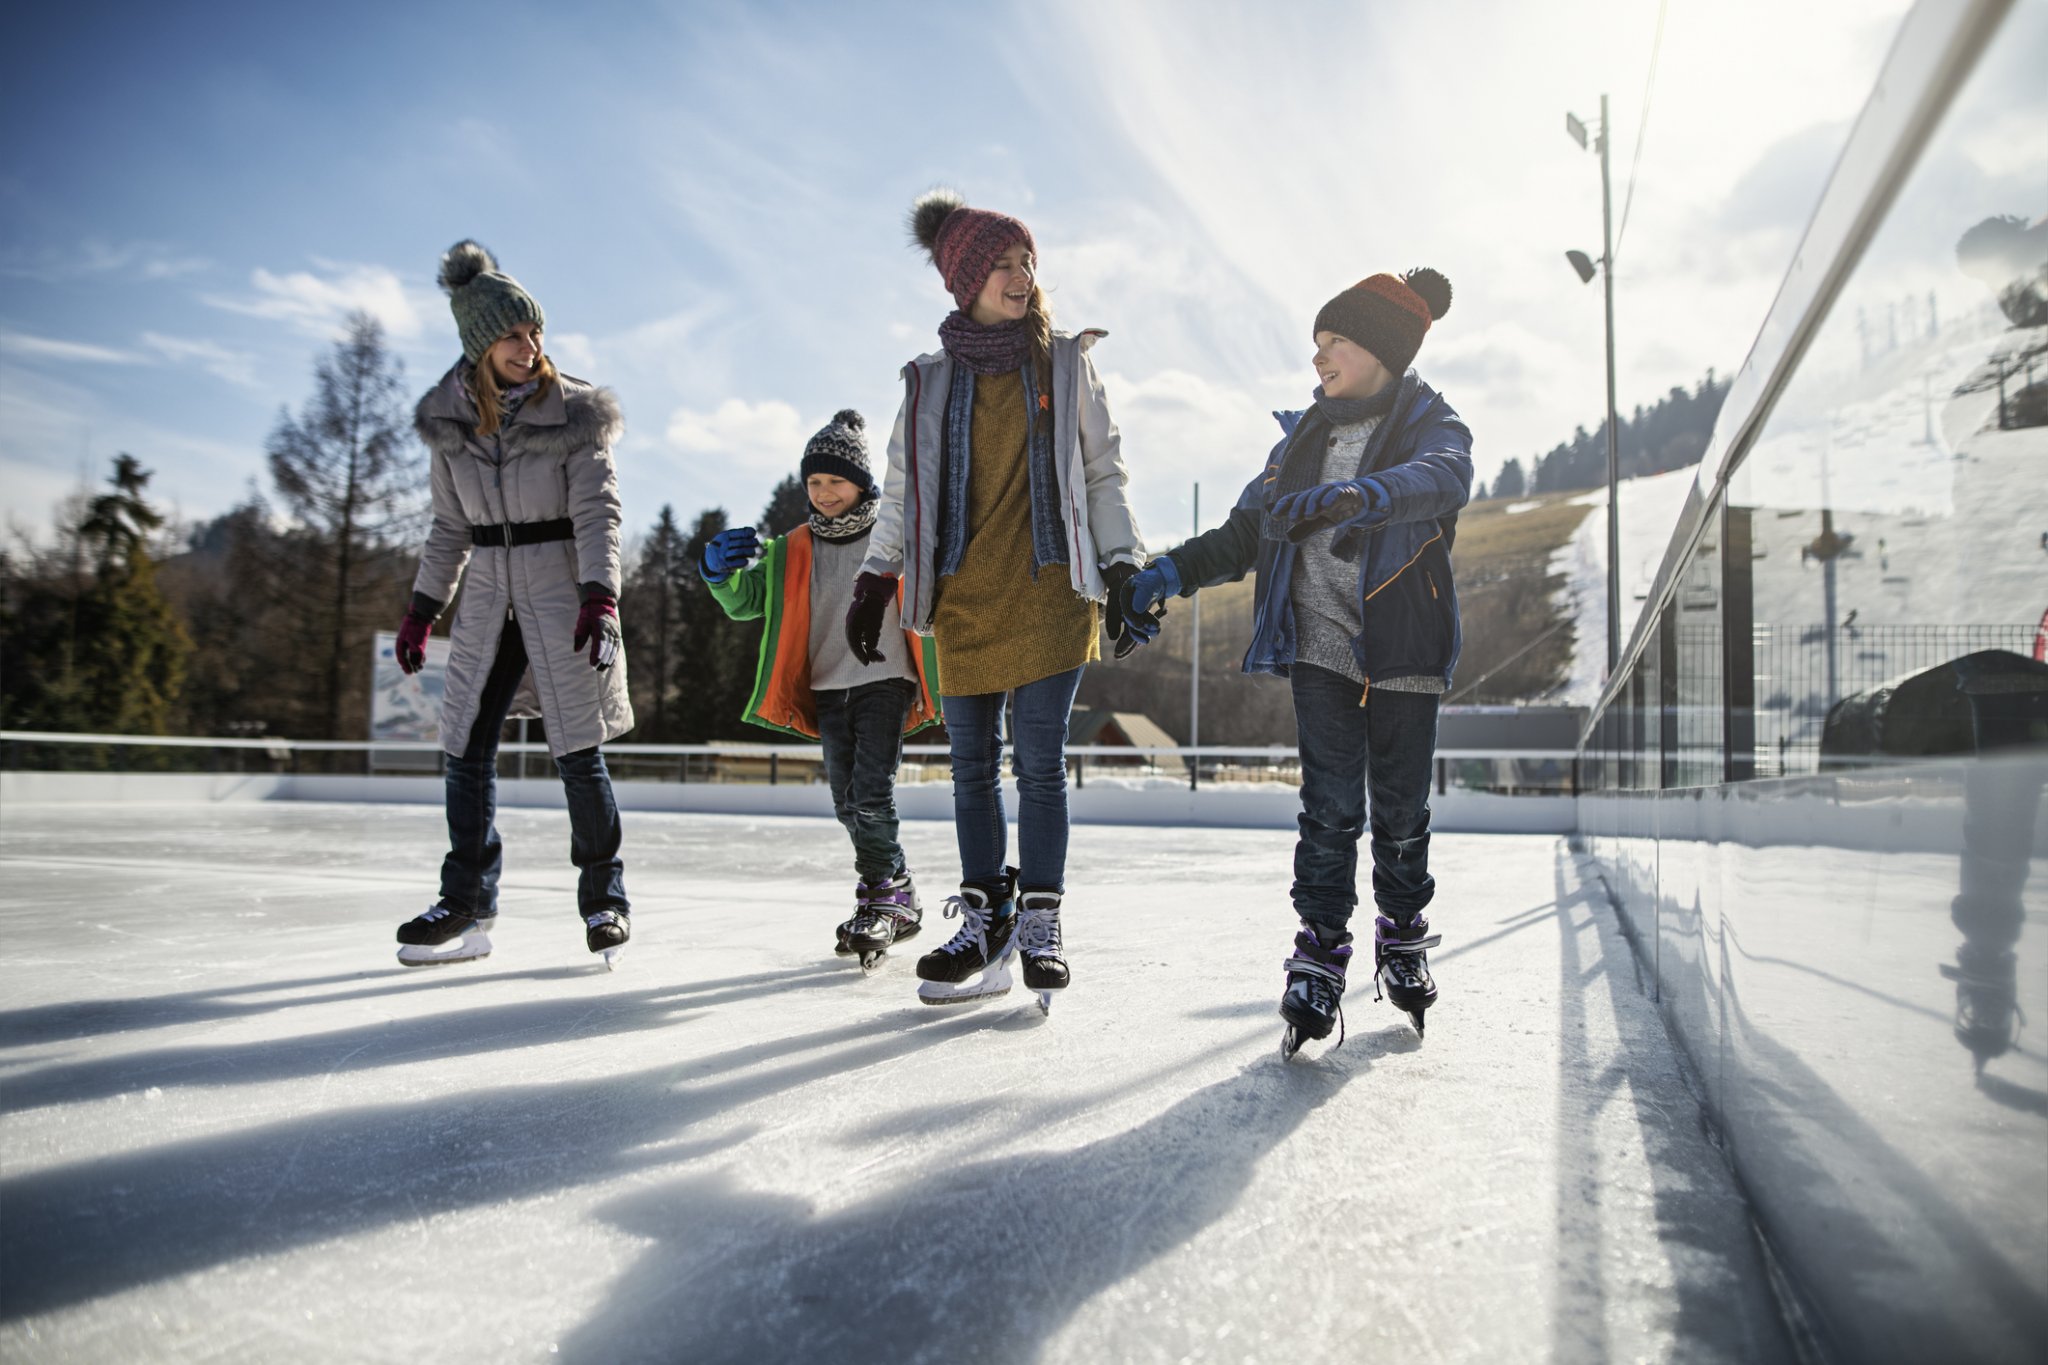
(1945, 518)
(234, 1129)
(1517, 508)
(1649, 513)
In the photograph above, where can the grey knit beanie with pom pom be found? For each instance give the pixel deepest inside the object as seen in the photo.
(841, 449)
(487, 302)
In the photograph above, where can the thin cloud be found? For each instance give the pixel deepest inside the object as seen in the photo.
(316, 303)
(754, 433)
(23, 345)
(94, 257)
(235, 367)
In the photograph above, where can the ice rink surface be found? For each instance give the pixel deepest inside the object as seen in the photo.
(233, 1128)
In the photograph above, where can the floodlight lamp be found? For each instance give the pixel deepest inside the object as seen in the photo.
(1582, 263)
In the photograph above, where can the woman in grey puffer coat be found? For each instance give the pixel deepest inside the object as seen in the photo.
(526, 497)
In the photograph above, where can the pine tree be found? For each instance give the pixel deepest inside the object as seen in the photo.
(715, 658)
(348, 470)
(651, 615)
(788, 507)
(1509, 483)
(106, 655)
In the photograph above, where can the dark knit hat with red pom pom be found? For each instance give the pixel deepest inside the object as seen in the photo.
(841, 449)
(1388, 316)
(964, 242)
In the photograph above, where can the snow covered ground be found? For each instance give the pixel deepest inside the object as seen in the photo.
(1944, 520)
(233, 1129)
(1649, 513)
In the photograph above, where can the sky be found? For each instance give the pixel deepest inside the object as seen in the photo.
(708, 200)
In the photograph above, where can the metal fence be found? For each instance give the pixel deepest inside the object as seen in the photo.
(1532, 772)
(1802, 671)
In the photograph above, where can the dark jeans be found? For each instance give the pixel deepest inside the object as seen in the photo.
(862, 731)
(1384, 748)
(1038, 736)
(469, 874)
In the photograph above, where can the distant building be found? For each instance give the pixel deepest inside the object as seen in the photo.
(1124, 729)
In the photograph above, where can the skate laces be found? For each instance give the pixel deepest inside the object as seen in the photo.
(973, 931)
(1038, 931)
(1324, 985)
(435, 914)
(1404, 962)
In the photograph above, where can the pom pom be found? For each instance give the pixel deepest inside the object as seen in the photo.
(851, 420)
(1434, 289)
(464, 262)
(929, 213)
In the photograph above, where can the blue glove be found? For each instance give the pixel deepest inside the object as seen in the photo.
(1142, 602)
(1151, 585)
(1330, 504)
(729, 551)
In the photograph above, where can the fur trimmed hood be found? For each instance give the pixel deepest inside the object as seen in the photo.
(573, 415)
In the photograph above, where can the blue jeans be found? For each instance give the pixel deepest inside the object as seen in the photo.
(862, 731)
(469, 874)
(1038, 737)
(1386, 749)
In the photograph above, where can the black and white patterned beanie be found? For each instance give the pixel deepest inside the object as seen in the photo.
(841, 449)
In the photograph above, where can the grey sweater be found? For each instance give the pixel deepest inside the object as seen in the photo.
(1325, 588)
(834, 566)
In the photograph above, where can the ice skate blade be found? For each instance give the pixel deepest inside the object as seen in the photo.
(464, 949)
(993, 981)
(1045, 1003)
(871, 961)
(1290, 1043)
(614, 958)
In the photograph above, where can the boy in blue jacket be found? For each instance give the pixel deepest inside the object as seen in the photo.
(1349, 528)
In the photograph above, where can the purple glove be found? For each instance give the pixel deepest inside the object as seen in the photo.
(872, 594)
(598, 623)
(413, 632)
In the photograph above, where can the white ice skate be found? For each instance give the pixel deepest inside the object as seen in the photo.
(975, 963)
(443, 935)
(986, 984)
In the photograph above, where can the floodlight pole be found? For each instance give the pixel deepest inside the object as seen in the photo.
(1613, 434)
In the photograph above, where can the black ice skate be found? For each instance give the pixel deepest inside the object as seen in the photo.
(1038, 944)
(1401, 963)
(1313, 1001)
(885, 913)
(1988, 1017)
(606, 932)
(975, 963)
(442, 935)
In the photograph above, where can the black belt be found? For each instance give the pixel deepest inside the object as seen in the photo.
(524, 532)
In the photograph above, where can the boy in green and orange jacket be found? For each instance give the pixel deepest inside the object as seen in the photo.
(809, 683)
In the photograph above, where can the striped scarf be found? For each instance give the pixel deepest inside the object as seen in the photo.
(847, 525)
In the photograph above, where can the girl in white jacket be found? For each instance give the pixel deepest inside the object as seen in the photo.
(1004, 525)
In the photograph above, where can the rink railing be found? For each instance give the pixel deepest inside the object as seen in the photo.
(1520, 772)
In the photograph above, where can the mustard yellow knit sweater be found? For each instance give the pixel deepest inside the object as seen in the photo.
(997, 627)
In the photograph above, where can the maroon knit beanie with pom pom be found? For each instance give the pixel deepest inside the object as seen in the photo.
(1388, 316)
(963, 242)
